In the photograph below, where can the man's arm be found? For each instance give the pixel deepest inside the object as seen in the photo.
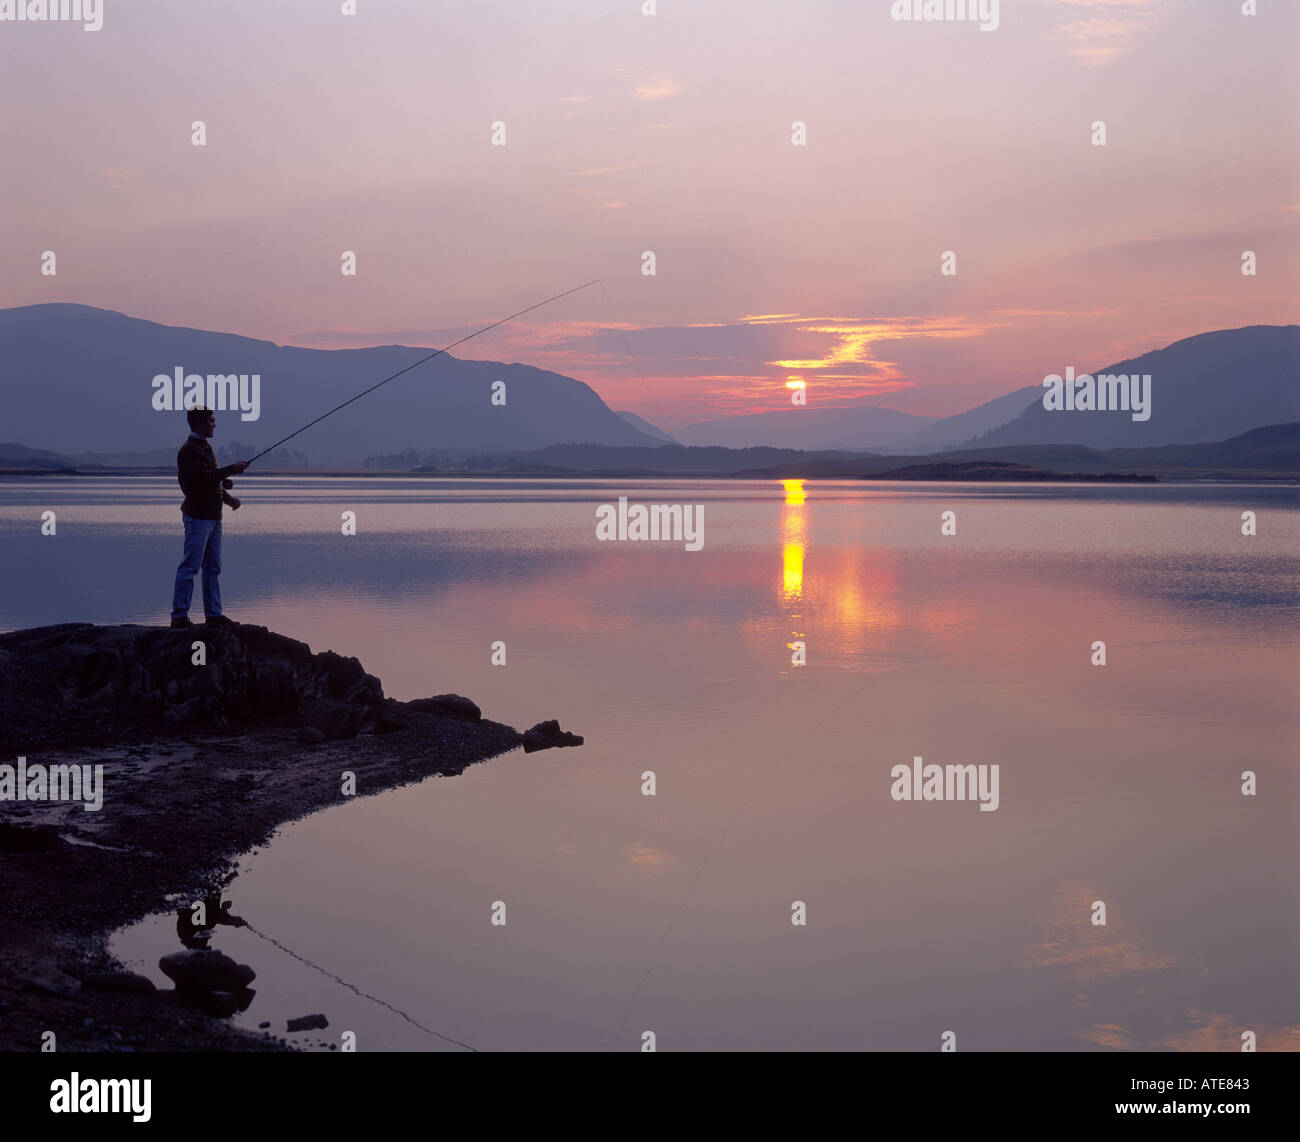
(198, 464)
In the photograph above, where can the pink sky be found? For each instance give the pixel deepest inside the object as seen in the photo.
(670, 133)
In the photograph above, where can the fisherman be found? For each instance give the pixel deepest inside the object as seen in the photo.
(202, 482)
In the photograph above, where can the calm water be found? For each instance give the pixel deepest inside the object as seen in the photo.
(672, 913)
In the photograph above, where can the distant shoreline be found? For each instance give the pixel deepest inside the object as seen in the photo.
(892, 477)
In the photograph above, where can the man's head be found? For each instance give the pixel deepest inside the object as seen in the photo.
(201, 420)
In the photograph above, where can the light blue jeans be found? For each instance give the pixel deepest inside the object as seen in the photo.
(202, 549)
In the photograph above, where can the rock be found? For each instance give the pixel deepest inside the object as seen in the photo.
(122, 982)
(341, 722)
(388, 725)
(548, 735)
(57, 984)
(347, 679)
(188, 711)
(222, 1004)
(448, 706)
(99, 669)
(310, 735)
(89, 682)
(198, 971)
(263, 1026)
(308, 1023)
(27, 838)
(273, 691)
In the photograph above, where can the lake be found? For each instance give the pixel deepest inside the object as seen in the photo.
(1119, 785)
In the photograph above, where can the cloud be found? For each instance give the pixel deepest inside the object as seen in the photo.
(649, 858)
(851, 348)
(659, 87)
(1098, 32)
(1099, 312)
(603, 170)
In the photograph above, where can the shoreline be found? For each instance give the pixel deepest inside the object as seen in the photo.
(1166, 477)
(183, 798)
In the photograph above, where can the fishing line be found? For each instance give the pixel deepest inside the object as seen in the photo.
(628, 347)
(356, 990)
(735, 814)
(422, 360)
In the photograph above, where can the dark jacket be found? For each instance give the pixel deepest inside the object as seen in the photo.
(200, 479)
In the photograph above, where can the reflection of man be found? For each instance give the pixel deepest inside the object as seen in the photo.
(196, 936)
(200, 480)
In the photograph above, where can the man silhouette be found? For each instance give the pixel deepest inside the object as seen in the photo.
(200, 480)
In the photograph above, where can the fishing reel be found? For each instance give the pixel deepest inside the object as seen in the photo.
(227, 484)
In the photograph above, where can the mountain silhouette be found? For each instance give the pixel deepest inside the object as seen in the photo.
(853, 428)
(1208, 387)
(645, 426)
(79, 379)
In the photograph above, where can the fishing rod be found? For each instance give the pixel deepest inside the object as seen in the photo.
(421, 361)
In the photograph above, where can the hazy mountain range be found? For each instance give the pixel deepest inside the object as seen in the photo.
(78, 381)
(1206, 387)
(858, 428)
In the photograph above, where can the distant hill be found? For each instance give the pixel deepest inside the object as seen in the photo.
(856, 429)
(1207, 387)
(1262, 453)
(966, 426)
(1272, 452)
(78, 379)
(646, 427)
(667, 458)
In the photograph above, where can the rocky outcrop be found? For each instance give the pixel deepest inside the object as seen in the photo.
(548, 735)
(200, 763)
(449, 706)
(77, 683)
(86, 680)
(307, 1023)
(195, 971)
(122, 982)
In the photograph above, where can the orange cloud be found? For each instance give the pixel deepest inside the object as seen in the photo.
(853, 342)
(658, 87)
(1105, 30)
(650, 858)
